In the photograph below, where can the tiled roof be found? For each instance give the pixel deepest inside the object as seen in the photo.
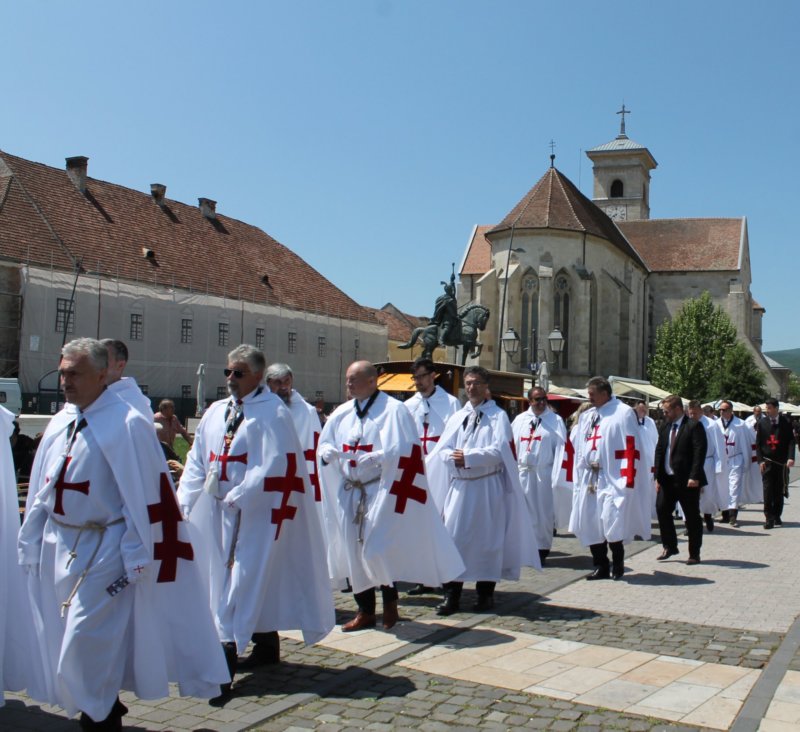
(45, 220)
(555, 203)
(686, 245)
(621, 142)
(478, 260)
(398, 324)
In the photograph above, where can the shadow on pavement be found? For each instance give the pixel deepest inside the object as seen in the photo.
(736, 563)
(665, 578)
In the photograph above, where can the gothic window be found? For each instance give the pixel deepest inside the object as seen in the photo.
(529, 318)
(65, 315)
(617, 189)
(561, 303)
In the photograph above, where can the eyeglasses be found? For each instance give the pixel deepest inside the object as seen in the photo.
(418, 377)
(233, 372)
(726, 409)
(539, 399)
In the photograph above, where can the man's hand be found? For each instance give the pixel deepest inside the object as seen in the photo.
(693, 483)
(327, 453)
(658, 486)
(790, 463)
(763, 466)
(458, 458)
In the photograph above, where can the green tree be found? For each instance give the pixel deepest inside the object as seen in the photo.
(698, 356)
(793, 391)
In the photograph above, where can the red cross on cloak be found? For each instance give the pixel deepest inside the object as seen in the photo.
(61, 485)
(356, 448)
(569, 460)
(285, 484)
(631, 454)
(530, 440)
(170, 548)
(425, 439)
(594, 437)
(772, 441)
(225, 458)
(313, 476)
(404, 488)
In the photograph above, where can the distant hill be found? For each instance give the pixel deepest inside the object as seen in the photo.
(790, 358)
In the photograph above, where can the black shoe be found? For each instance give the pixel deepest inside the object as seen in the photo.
(769, 525)
(599, 573)
(709, 522)
(483, 603)
(421, 590)
(543, 555)
(256, 660)
(778, 521)
(617, 570)
(693, 560)
(726, 517)
(666, 554)
(226, 694)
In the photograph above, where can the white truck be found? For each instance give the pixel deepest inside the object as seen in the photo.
(11, 395)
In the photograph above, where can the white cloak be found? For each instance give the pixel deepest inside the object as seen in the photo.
(536, 442)
(265, 517)
(714, 495)
(403, 538)
(607, 507)
(307, 426)
(146, 635)
(565, 471)
(128, 390)
(648, 438)
(484, 507)
(738, 441)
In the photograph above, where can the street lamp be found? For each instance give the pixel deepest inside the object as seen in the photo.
(510, 341)
(518, 250)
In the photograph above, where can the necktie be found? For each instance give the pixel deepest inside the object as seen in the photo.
(672, 437)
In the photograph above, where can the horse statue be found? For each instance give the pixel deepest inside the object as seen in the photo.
(470, 321)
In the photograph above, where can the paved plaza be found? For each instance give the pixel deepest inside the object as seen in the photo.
(711, 646)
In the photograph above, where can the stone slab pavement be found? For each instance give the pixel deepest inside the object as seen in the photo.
(669, 647)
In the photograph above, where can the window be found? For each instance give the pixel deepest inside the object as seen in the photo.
(222, 337)
(186, 391)
(292, 341)
(561, 315)
(260, 339)
(617, 189)
(222, 392)
(186, 330)
(322, 348)
(137, 326)
(65, 315)
(529, 319)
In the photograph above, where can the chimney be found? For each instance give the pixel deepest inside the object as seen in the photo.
(76, 170)
(158, 191)
(208, 208)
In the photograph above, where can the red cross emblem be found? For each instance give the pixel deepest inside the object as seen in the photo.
(772, 442)
(631, 454)
(594, 437)
(356, 448)
(170, 548)
(285, 484)
(225, 458)
(425, 439)
(530, 440)
(313, 476)
(569, 460)
(404, 488)
(61, 486)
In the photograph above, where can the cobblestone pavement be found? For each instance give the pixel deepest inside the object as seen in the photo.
(716, 615)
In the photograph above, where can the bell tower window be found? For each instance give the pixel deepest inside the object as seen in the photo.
(617, 189)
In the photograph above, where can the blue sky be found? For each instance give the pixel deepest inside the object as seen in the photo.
(370, 136)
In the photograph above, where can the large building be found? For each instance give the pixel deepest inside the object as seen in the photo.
(604, 273)
(180, 284)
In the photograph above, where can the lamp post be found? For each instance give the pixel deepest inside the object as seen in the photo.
(500, 334)
(510, 343)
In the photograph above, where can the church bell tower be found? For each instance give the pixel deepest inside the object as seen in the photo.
(622, 176)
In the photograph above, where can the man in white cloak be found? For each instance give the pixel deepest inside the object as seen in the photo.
(538, 434)
(484, 509)
(124, 386)
(739, 441)
(245, 488)
(431, 406)
(648, 434)
(713, 466)
(607, 510)
(383, 526)
(117, 599)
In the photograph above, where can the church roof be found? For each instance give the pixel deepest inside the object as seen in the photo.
(687, 245)
(478, 260)
(46, 221)
(400, 325)
(556, 203)
(620, 142)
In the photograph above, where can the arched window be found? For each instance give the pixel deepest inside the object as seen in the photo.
(529, 317)
(561, 302)
(617, 189)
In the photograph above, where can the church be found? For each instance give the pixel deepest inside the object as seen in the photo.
(599, 276)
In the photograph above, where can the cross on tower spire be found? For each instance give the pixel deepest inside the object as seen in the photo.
(552, 152)
(622, 112)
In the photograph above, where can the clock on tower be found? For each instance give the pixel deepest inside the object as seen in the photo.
(617, 213)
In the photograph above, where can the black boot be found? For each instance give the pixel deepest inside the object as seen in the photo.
(421, 589)
(709, 519)
(602, 567)
(726, 517)
(543, 553)
(485, 600)
(452, 599)
(226, 690)
(734, 513)
(112, 723)
(617, 559)
(266, 651)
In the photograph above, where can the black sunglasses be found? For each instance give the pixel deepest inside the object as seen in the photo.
(540, 399)
(235, 372)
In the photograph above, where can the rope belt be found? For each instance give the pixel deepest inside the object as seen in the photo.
(361, 508)
(88, 526)
(477, 477)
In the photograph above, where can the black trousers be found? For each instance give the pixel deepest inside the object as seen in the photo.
(774, 481)
(671, 493)
(366, 599)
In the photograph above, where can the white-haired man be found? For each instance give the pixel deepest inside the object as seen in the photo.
(101, 515)
(246, 488)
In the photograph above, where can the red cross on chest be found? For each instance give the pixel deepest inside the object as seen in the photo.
(594, 437)
(404, 489)
(772, 442)
(285, 484)
(226, 458)
(355, 448)
(170, 549)
(569, 460)
(313, 476)
(62, 485)
(630, 454)
(530, 439)
(425, 439)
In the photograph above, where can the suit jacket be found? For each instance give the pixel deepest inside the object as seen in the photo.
(688, 453)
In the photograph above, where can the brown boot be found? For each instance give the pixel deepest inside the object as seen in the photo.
(390, 614)
(361, 621)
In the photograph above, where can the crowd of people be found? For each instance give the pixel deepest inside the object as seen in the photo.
(130, 572)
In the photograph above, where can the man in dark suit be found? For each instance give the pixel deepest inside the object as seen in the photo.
(775, 453)
(680, 453)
